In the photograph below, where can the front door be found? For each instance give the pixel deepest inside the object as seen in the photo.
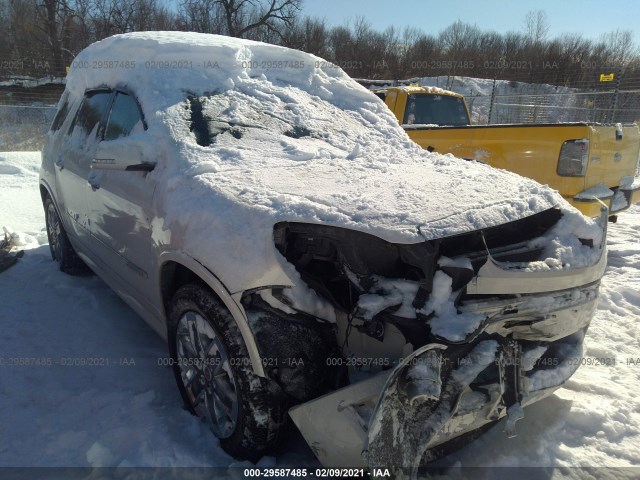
(121, 203)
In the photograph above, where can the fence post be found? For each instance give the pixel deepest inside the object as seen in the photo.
(493, 97)
(614, 107)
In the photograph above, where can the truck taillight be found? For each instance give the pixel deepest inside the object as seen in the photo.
(574, 157)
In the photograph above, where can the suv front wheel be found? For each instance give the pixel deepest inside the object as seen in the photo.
(215, 376)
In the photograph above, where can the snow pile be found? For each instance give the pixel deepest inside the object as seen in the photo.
(292, 142)
(426, 88)
(563, 247)
(31, 82)
(26, 216)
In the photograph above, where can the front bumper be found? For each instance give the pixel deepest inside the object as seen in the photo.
(343, 437)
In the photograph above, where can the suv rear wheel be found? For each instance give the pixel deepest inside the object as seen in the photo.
(215, 376)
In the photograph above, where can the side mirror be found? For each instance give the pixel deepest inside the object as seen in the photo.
(124, 154)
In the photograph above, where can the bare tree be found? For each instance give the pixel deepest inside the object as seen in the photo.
(459, 37)
(310, 35)
(54, 20)
(536, 26)
(240, 18)
(200, 16)
(425, 48)
(619, 47)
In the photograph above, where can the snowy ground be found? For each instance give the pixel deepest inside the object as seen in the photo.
(81, 384)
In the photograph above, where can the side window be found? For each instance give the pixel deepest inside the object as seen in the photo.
(61, 115)
(94, 106)
(125, 117)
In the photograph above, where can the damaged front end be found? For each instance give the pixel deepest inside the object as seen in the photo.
(444, 337)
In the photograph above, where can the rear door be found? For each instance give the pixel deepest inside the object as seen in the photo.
(73, 162)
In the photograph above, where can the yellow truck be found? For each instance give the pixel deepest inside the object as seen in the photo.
(589, 164)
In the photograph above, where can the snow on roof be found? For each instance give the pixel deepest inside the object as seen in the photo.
(168, 63)
(296, 140)
(427, 89)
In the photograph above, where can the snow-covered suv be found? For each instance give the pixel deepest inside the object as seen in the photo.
(268, 216)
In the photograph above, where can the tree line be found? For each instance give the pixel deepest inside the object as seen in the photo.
(42, 37)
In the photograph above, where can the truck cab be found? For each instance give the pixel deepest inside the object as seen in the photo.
(416, 105)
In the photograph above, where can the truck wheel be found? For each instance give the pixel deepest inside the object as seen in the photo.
(214, 375)
(59, 245)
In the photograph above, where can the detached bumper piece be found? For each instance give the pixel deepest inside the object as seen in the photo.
(494, 379)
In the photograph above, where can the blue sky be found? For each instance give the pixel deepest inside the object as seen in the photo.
(592, 18)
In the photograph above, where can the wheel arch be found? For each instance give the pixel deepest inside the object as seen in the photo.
(45, 192)
(177, 269)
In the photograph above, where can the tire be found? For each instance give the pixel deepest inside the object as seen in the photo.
(215, 377)
(59, 244)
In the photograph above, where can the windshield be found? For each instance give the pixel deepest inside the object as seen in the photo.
(429, 109)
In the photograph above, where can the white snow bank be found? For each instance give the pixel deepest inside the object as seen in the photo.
(21, 209)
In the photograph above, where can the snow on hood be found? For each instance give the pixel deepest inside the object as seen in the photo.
(298, 141)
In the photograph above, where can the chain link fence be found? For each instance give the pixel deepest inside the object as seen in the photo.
(601, 98)
(27, 108)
